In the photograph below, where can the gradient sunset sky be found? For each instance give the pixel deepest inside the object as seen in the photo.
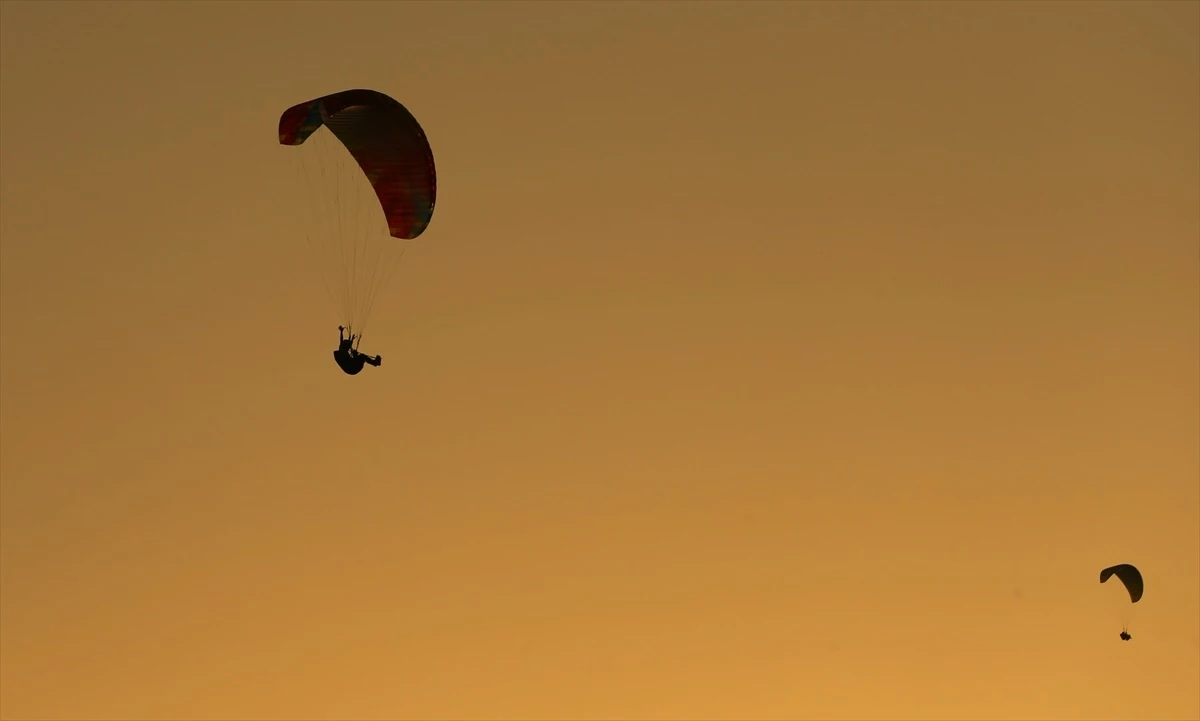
(761, 361)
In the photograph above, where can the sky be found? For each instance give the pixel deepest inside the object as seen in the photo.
(761, 361)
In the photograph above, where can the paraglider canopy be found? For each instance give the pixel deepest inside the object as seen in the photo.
(388, 144)
(1129, 575)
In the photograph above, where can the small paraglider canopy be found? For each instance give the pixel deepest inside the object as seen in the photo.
(1128, 575)
(388, 144)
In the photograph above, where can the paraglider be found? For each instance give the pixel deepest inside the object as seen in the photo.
(373, 183)
(1131, 578)
(349, 358)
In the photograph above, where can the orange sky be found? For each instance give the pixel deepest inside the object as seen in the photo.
(761, 361)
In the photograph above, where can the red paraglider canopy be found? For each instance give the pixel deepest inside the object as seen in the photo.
(387, 143)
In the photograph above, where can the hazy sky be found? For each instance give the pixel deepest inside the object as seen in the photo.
(762, 361)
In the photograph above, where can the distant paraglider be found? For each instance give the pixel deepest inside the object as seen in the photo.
(1131, 577)
(366, 153)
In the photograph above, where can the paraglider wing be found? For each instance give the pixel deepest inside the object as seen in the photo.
(387, 143)
(1129, 575)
